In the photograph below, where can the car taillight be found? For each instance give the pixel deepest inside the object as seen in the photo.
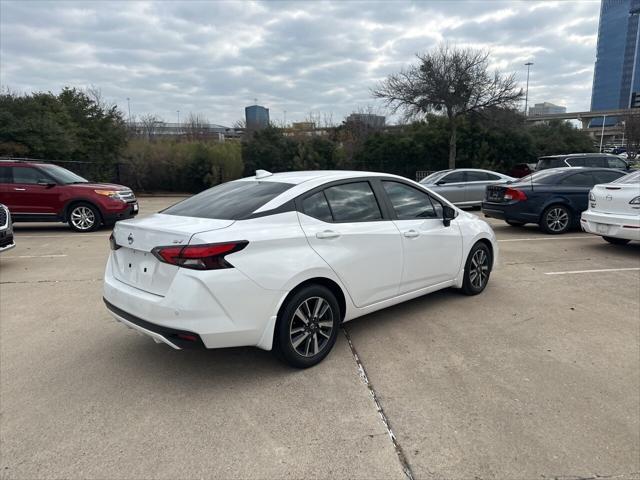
(112, 242)
(199, 257)
(514, 194)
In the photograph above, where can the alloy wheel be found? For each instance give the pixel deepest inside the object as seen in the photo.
(479, 269)
(311, 326)
(82, 218)
(557, 219)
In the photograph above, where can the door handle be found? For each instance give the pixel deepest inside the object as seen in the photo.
(411, 233)
(19, 189)
(327, 234)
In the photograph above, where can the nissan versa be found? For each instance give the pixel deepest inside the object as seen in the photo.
(278, 261)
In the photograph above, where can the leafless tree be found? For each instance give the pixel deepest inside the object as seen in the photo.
(150, 125)
(196, 126)
(450, 80)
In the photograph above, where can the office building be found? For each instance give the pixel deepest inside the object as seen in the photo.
(546, 108)
(615, 77)
(257, 117)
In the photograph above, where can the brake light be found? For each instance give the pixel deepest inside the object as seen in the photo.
(199, 257)
(112, 242)
(515, 194)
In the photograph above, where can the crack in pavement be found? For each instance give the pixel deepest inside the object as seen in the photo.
(406, 468)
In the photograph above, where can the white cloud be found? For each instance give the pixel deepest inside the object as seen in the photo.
(216, 57)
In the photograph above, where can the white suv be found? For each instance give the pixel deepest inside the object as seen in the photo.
(281, 260)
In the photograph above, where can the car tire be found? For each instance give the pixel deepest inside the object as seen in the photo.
(84, 217)
(556, 219)
(307, 330)
(477, 269)
(616, 241)
(513, 223)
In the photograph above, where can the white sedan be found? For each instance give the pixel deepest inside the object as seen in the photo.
(279, 261)
(614, 210)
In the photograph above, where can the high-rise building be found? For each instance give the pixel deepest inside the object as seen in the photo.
(257, 117)
(546, 108)
(616, 75)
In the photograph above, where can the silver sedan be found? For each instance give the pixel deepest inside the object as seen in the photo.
(465, 187)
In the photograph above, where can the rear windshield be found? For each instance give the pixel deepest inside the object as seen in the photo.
(544, 177)
(434, 177)
(550, 162)
(633, 177)
(229, 201)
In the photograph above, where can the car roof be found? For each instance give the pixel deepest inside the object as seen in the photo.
(569, 155)
(296, 178)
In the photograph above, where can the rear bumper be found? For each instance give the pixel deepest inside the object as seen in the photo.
(178, 339)
(508, 211)
(223, 308)
(611, 225)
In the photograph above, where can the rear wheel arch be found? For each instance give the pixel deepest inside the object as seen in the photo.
(325, 282)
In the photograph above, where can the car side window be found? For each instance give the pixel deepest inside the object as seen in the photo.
(615, 163)
(477, 177)
(454, 177)
(582, 179)
(409, 203)
(316, 206)
(607, 177)
(27, 175)
(492, 177)
(5, 175)
(353, 202)
(577, 162)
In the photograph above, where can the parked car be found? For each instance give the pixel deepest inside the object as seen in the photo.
(614, 210)
(44, 192)
(520, 170)
(6, 230)
(464, 187)
(595, 160)
(552, 198)
(279, 261)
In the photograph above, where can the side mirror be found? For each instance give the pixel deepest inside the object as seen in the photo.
(448, 214)
(509, 182)
(440, 182)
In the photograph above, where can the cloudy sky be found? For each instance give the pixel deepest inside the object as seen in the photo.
(215, 57)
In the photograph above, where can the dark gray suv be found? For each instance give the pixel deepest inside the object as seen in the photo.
(596, 160)
(6, 229)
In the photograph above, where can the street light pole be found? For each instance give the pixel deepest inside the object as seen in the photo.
(178, 111)
(526, 96)
(129, 108)
(604, 120)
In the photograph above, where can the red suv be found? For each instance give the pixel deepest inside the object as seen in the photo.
(43, 192)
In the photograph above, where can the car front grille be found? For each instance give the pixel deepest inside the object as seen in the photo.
(6, 241)
(127, 196)
(4, 217)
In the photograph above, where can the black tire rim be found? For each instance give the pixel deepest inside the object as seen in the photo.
(311, 326)
(479, 269)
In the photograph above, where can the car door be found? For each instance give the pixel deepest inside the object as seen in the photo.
(344, 224)
(452, 186)
(432, 251)
(576, 188)
(30, 192)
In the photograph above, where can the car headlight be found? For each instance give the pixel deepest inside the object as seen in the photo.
(110, 193)
(592, 197)
(635, 201)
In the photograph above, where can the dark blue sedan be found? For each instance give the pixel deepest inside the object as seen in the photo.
(552, 198)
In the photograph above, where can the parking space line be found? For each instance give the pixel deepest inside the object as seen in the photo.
(594, 271)
(535, 239)
(71, 235)
(35, 256)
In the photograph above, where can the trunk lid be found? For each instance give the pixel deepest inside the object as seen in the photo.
(135, 265)
(615, 198)
(495, 193)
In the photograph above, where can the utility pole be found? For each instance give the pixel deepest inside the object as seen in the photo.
(604, 120)
(178, 112)
(129, 108)
(526, 96)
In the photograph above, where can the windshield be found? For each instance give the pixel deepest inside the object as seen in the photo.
(62, 175)
(633, 177)
(544, 176)
(434, 177)
(229, 201)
